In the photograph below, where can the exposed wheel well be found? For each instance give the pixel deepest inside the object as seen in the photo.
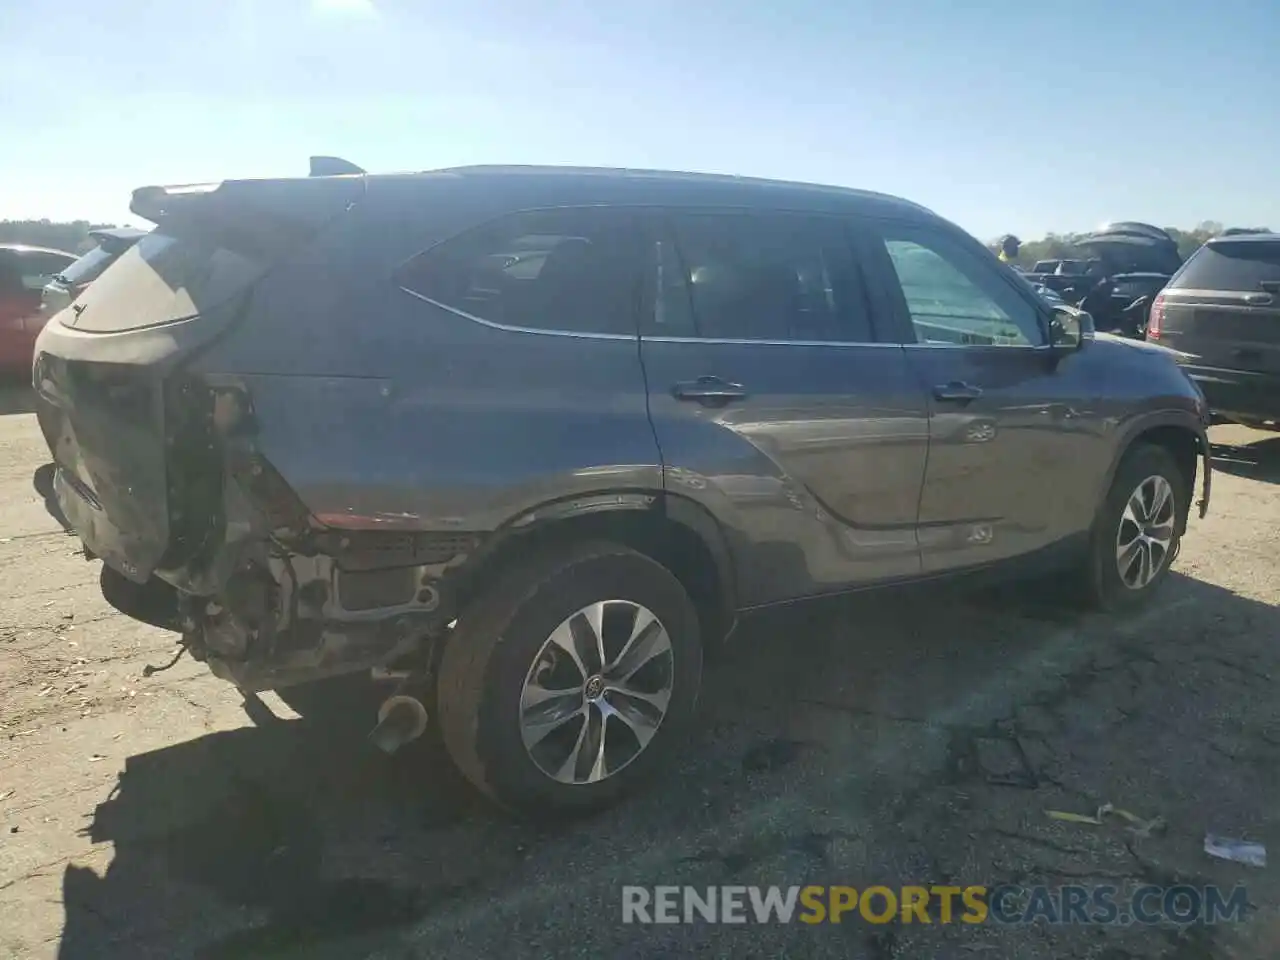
(1183, 446)
(651, 532)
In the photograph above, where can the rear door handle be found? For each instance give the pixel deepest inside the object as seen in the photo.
(956, 390)
(709, 391)
(1258, 299)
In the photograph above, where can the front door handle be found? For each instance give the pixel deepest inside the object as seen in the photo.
(709, 391)
(956, 390)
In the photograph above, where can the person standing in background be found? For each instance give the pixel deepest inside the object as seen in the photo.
(1009, 247)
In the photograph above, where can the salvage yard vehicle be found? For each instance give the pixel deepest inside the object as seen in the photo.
(1221, 312)
(1132, 260)
(24, 270)
(532, 439)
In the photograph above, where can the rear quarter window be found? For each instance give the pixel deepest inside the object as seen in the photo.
(87, 267)
(161, 279)
(570, 269)
(1238, 267)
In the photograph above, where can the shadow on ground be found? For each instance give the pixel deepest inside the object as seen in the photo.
(832, 741)
(42, 483)
(1259, 460)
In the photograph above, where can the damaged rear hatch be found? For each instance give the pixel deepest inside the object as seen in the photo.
(131, 451)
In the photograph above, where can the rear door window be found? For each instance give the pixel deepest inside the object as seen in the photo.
(571, 269)
(1244, 266)
(38, 267)
(760, 276)
(10, 274)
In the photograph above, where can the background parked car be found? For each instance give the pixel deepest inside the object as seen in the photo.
(1136, 260)
(23, 273)
(65, 286)
(1222, 313)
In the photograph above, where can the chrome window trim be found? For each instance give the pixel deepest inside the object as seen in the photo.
(768, 343)
(512, 328)
(1175, 293)
(587, 335)
(1029, 347)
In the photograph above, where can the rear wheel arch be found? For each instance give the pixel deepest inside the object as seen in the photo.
(673, 531)
(505, 642)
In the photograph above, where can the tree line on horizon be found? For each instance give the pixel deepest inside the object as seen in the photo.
(73, 236)
(1062, 246)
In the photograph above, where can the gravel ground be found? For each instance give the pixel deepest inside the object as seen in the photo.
(915, 738)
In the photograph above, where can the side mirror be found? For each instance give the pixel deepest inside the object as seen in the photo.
(1070, 328)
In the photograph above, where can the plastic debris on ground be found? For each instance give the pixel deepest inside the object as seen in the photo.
(1140, 826)
(1239, 851)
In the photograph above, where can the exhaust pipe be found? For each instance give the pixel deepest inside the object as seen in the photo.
(401, 719)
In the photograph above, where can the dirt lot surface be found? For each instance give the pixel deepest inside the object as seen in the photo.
(914, 738)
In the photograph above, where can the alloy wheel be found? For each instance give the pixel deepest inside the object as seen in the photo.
(1146, 532)
(597, 692)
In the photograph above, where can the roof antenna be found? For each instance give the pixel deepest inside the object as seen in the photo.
(332, 167)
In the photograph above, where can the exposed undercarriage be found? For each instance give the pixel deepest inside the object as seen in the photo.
(266, 594)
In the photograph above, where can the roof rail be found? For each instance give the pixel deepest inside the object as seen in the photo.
(332, 167)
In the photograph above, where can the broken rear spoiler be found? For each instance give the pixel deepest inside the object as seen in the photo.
(116, 239)
(258, 217)
(333, 167)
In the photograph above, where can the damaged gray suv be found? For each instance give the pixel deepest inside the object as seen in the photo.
(528, 441)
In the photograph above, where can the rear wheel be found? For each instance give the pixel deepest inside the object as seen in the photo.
(1138, 529)
(566, 683)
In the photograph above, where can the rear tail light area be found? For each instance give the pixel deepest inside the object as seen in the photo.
(1155, 319)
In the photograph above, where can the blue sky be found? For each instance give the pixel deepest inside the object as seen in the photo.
(971, 108)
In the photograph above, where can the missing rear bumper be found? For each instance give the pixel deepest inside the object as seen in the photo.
(291, 620)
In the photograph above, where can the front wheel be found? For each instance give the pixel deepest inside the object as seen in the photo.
(565, 684)
(1138, 529)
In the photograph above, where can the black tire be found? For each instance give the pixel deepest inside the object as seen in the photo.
(1104, 588)
(494, 646)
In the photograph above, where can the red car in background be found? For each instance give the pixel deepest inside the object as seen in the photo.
(24, 271)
